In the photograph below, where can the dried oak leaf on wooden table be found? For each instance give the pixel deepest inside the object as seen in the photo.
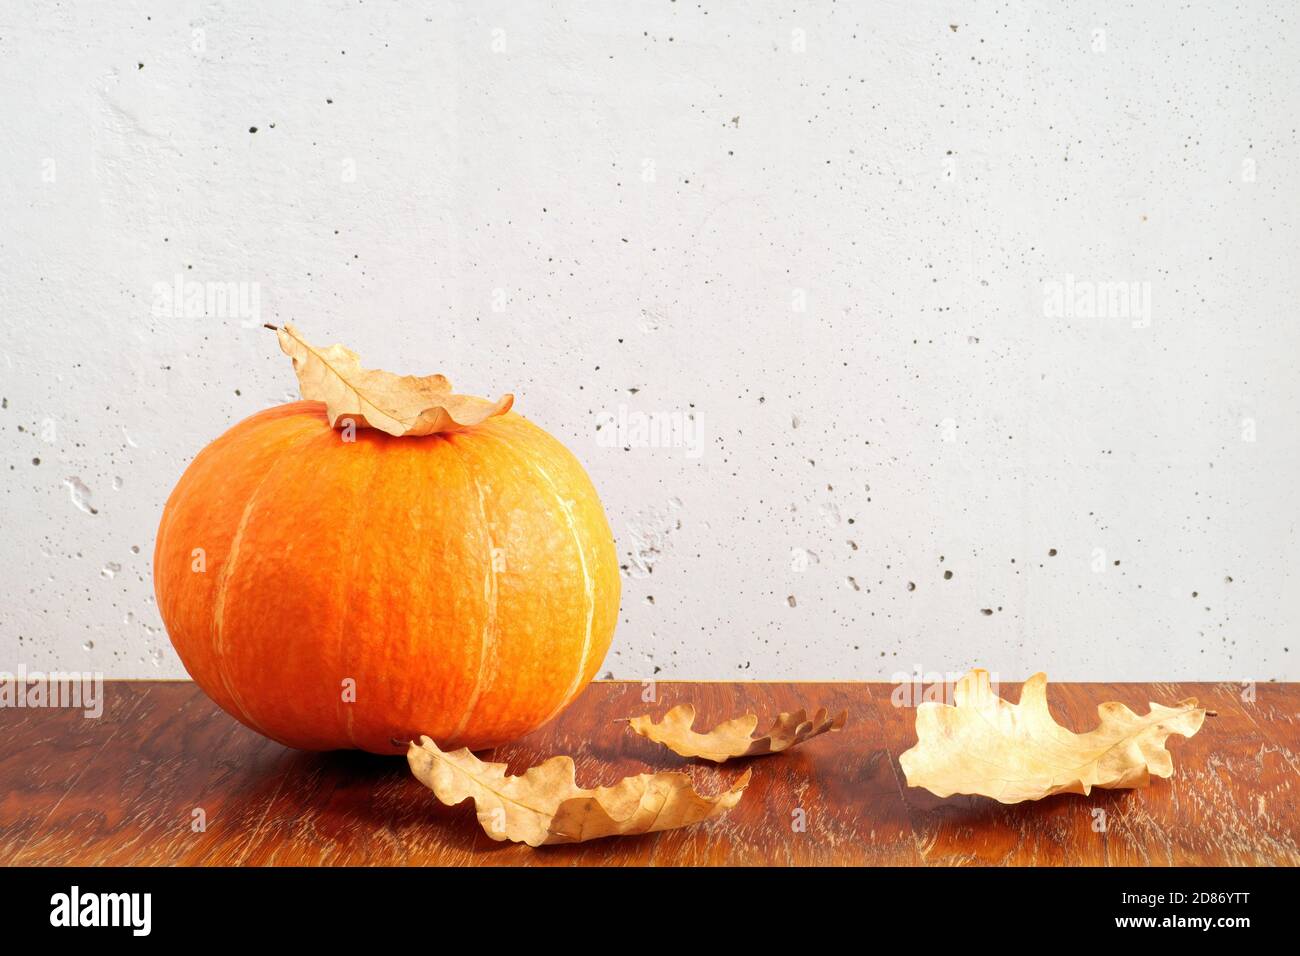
(397, 404)
(1013, 752)
(734, 738)
(546, 805)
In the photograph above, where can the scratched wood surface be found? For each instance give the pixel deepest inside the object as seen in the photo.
(125, 788)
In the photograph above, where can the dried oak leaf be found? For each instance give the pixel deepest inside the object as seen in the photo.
(734, 738)
(397, 404)
(546, 805)
(1013, 752)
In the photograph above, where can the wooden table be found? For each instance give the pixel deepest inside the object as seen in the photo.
(126, 789)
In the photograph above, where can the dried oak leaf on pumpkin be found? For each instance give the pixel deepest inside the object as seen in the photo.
(397, 404)
(545, 805)
(1013, 752)
(734, 738)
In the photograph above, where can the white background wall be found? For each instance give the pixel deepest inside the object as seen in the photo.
(918, 172)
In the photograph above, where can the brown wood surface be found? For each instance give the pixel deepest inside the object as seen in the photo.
(122, 789)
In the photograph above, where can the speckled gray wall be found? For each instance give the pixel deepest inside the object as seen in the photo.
(967, 332)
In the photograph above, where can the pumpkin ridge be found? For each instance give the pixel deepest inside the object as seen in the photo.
(490, 595)
(227, 572)
(509, 444)
(589, 588)
(358, 514)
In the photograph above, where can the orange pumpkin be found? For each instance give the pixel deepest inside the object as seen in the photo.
(334, 593)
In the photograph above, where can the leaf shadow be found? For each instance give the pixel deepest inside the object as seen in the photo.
(978, 812)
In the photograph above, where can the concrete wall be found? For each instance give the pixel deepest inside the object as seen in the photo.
(946, 287)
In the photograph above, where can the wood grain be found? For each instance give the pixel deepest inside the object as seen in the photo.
(124, 789)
